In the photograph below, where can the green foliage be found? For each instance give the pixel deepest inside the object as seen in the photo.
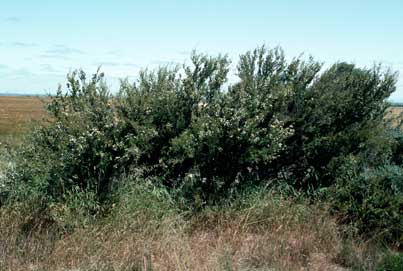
(83, 146)
(177, 125)
(283, 122)
(397, 146)
(372, 200)
(138, 202)
(334, 117)
(206, 141)
(5, 165)
(391, 262)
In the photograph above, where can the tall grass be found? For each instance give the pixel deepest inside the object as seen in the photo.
(144, 230)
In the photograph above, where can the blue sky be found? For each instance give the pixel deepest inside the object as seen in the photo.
(41, 41)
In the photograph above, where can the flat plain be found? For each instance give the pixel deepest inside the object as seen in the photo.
(16, 112)
(395, 113)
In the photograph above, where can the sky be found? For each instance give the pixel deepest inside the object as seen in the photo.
(41, 41)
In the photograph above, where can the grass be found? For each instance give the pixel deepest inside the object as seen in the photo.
(395, 114)
(16, 113)
(146, 232)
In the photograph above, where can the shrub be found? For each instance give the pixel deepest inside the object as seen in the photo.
(335, 116)
(183, 129)
(208, 142)
(372, 200)
(82, 147)
(179, 126)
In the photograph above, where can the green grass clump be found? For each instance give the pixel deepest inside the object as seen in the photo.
(391, 262)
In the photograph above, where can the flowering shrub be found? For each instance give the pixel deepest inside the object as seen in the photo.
(181, 127)
(178, 126)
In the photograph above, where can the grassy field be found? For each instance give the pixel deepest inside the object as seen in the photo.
(17, 112)
(396, 110)
(144, 233)
(395, 114)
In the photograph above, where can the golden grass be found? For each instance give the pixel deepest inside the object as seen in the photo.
(17, 112)
(292, 237)
(395, 114)
(396, 110)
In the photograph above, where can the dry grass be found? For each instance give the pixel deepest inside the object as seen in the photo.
(395, 113)
(274, 235)
(396, 110)
(17, 112)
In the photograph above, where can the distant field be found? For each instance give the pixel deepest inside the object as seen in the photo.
(395, 113)
(396, 110)
(17, 111)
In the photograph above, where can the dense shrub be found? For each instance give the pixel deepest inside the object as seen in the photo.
(372, 200)
(283, 122)
(208, 141)
(179, 126)
(83, 146)
(340, 113)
